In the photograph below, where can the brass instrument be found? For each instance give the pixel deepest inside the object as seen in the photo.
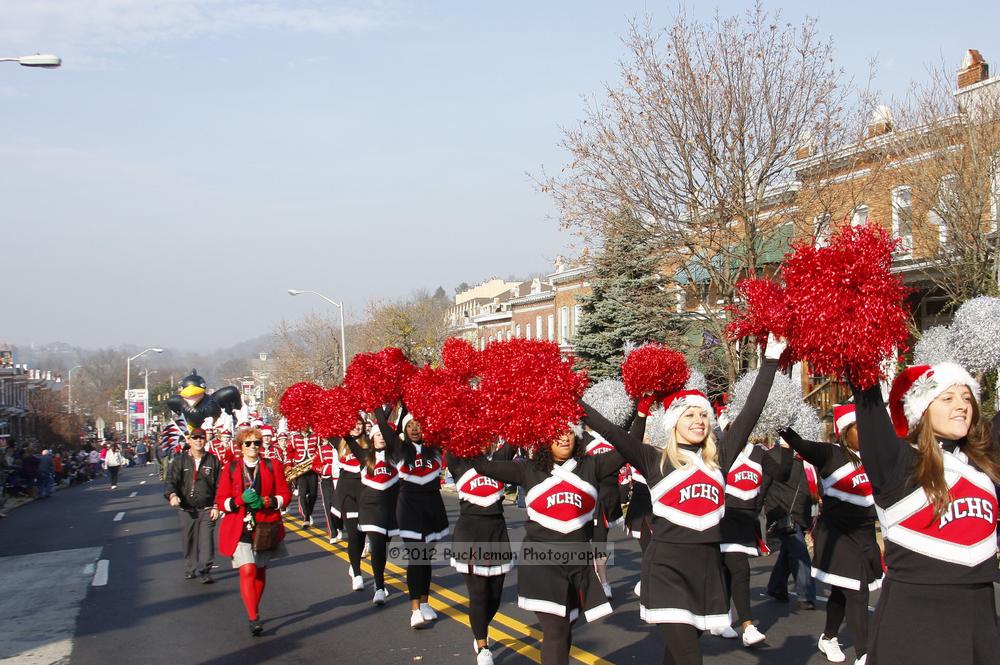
(293, 472)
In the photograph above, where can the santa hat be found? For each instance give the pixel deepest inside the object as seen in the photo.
(843, 417)
(916, 387)
(676, 403)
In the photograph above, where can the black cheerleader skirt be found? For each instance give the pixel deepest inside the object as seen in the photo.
(377, 511)
(740, 531)
(682, 583)
(930, 624)
(345, 498)
(848, 559)
(481, 546)
(421, 516)
(565, 590)
(640, 511)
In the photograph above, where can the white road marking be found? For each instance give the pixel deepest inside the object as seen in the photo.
(39, 619)
(119, 516)
(101, 576)
(132, 495)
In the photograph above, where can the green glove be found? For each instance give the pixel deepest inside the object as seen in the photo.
(257, 503)
(251, 499)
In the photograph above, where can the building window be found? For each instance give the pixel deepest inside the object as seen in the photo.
(552, 327)
(517, 331)
(577, 313)
(995, 191)
(527, 330)
(902, 217)
(538, 326)
(510, 333)
(947, 206)
(821, 230)
(860, 215)
(564, 325)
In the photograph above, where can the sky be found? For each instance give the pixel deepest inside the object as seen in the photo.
(194, 159)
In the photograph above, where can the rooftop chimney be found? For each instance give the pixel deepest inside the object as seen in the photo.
(880, 123)
(974, 69)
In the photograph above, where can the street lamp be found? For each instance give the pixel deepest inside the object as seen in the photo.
(69, 384)
(128, 385)
(43, 60)
(340, 306)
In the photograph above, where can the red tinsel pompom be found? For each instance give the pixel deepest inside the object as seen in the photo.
(460, 356)
(654, 368)
(764, 311)
(530, 391)
(449, 411)
(377, 378)
(847, 311)
(335, 413)
(296, 404)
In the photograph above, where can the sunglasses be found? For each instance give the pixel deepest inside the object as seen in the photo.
(255, 442)
(198, 438)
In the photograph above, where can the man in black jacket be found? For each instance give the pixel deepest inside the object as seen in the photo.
(783, 499)
(190, 486)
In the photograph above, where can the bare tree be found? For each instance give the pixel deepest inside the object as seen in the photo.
(416, 325)
(697, 141)
(308, 350)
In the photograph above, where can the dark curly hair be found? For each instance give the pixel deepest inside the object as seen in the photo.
(543, 455)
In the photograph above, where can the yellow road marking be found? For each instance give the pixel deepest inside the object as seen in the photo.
(393, 578)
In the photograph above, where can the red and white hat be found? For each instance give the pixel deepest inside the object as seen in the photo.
(266, 430)
(676, 403)
(916, 387)
(844, 415)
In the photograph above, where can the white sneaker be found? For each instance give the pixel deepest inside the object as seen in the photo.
(484, 657)
(752, 636)
(357, 583)
(367, 550)
(332, 540)
(728, 632)
(861, 661)
(607, 589)
(114, 487)
(417, 619)
(428, 612)
(638, 586)
(311, 523)
(831, 649)
(339, 536)
(380, 596)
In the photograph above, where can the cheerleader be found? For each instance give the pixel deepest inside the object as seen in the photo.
(420, 511)
(325, 467)
(933, 470)
(561, 482)
(377, 503)
(682, 587)
(609, 513)
(740, 528)
(346, 498)
(845, 553)
(481, 525)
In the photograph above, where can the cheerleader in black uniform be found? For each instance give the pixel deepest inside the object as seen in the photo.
(420, 510)
(682, 586)
(377, 502)
(609, 513)
(934, 480)
(845, 553)
(561, 497)
(346, 496)
(482, 533)
(639, 517)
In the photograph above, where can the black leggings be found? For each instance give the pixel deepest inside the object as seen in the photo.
(418, 570)
(557, 637)
(736, 572)
(356, 545)
(680, 644)
(853, 604)
(379, 543)
(484, 601)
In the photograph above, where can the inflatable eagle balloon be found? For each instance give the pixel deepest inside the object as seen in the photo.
(196, 405)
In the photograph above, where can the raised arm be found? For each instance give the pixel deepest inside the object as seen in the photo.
(817, 454)
(608, 464)
(506, 471)
(886, 457)
(631, 449)
(356, 449)
(777, 463)
(638, 428)
(393, 443)
(736, 437)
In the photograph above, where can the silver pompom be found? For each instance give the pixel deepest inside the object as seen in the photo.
(935, 346)
(629, 347)
(975, 334)
(611, 400)
(697, 381)
(656, 431)
(782, 406)
(808, 425)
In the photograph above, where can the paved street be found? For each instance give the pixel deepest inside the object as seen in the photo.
(94, 576)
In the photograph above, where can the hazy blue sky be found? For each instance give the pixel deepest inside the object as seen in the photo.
(193, 159)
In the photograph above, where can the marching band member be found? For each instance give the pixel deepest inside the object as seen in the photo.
(933, 469)
(325, 467)
(303, 448)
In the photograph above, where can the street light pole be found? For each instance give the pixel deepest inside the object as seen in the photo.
(69, 384)
(340, 306)
(128, 385)
(43, 60)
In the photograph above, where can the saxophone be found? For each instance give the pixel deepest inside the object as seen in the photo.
(293, 472)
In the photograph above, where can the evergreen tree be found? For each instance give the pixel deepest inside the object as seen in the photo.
(628, 303)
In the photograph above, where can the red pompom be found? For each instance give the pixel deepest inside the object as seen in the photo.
(653, 368)
(530, 392)
(460, 356)
(847, 311)
(375, 379)
(449, 411)
(335, 413)
(765, 311)
(296, 404)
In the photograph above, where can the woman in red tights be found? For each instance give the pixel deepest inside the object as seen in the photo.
(251, 491)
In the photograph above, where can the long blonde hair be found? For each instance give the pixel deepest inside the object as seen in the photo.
(672, 453)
